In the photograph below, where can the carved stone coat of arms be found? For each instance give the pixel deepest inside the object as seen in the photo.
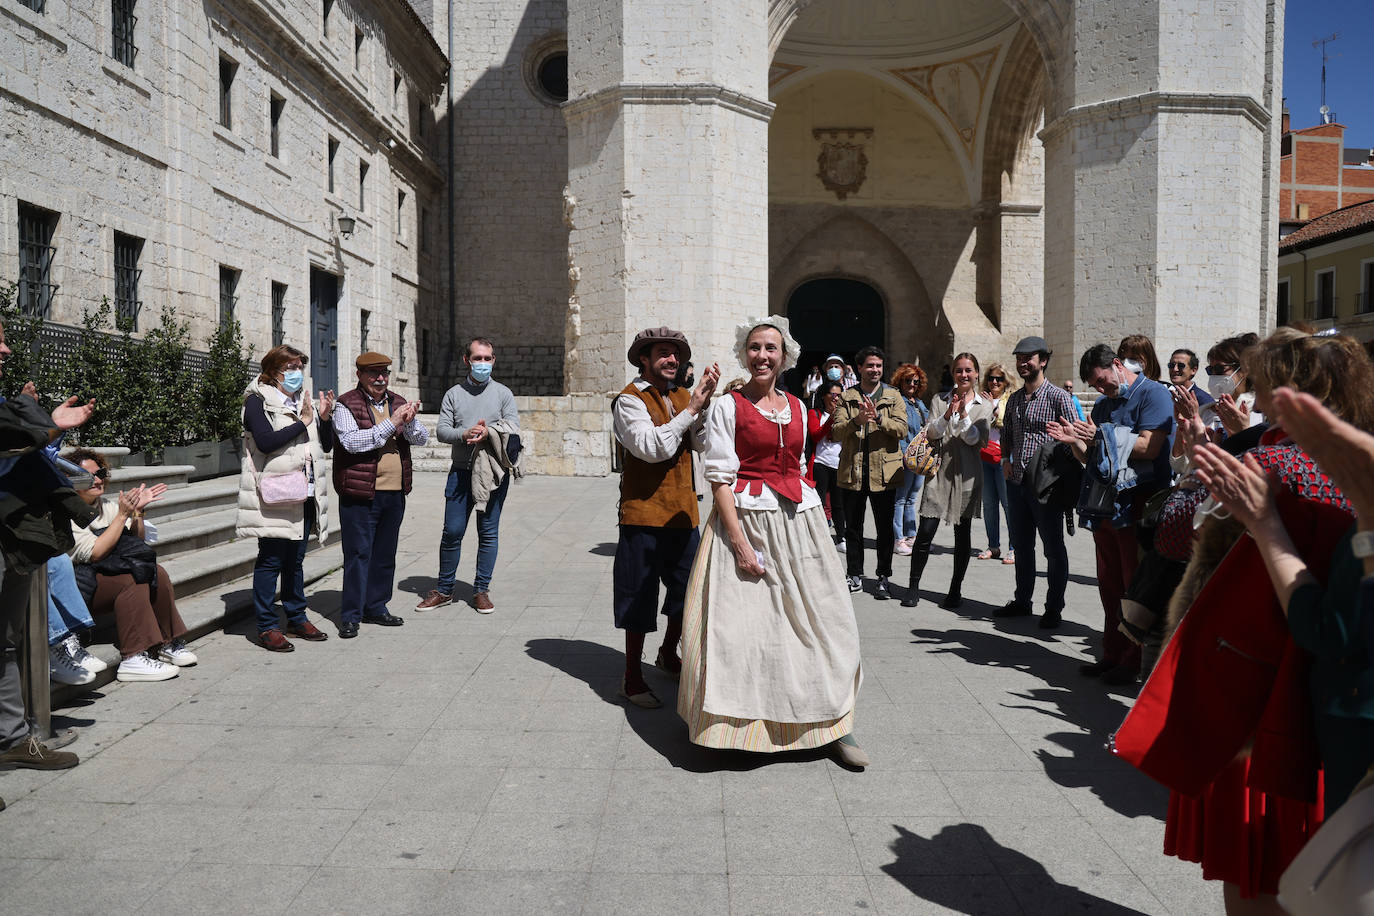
(842, 164)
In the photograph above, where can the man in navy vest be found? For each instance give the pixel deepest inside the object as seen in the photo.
(372, 475)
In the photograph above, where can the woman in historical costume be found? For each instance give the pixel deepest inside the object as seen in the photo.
(957, 431)
(1246, 792)
(770, 646)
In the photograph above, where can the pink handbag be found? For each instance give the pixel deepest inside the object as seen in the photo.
(287, 489)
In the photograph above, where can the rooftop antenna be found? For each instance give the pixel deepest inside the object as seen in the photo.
(1327, 117)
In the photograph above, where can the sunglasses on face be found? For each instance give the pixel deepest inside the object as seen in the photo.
(103, 474)
(1221, 369)
(1181, 367)
(997, 379)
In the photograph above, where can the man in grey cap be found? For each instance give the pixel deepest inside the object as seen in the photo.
(657, 427)
(1038, 401)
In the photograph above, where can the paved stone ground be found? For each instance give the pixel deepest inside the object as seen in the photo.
(469, 764)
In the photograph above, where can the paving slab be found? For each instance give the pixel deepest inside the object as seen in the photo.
(485, 764)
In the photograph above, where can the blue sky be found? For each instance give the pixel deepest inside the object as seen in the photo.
(1347, 70)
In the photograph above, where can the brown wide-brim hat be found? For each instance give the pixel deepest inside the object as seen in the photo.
(650, 336)
(372, 358)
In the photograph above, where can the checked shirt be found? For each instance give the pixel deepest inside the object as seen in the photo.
(1024, 427)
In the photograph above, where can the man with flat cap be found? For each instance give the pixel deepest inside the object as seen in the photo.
(372, 475)
(1038, 401)
(657, 426)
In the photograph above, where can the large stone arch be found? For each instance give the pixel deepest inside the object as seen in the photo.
(849, 246)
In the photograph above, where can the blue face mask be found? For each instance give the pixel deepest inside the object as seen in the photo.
(480, 372)
(834, 373)
(1122, 386)
(292, 380)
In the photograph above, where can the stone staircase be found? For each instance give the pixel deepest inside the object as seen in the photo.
(434, 455)
(196, 545)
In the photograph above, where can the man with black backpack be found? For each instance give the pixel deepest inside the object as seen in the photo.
(1037, 402)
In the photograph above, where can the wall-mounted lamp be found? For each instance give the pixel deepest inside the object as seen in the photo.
(346, 226)
(389, 142)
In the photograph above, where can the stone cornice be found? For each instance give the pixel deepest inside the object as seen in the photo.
(669, 94)
(1151, 103)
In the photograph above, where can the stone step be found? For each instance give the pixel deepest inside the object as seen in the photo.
(195, 499)
(190, 534)
(173, 475)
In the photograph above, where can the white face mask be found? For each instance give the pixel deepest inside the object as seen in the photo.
(1133, 366)
(1217, 385)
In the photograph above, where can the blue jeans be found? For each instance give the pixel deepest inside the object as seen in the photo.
(280, 558)
(904, 513)
(457, 510)
(370, 528)
(1025, 518)
(67, 611)
(994, 496)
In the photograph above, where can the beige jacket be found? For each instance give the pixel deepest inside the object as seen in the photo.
(491, 462)
(883, 437)
(288, 522)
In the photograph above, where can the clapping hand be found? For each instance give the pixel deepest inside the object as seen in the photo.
(1061, 431)
(1342, 451)
(307, 412)
(1085, 430)
(69, 416)
(1235, 417)
(1185, 404)
(1242, 489)
(144, 495)
(128, 502)
(868, 412)
(30, 389)
(405, 413)
(326, 404)
(476, 433)
(701, 396)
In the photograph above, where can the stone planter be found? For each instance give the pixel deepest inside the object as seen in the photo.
(210, 459)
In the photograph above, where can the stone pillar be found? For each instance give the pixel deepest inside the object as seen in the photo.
(667, 203)
(1159, 150)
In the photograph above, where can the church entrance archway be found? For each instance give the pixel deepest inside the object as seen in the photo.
(834, 315)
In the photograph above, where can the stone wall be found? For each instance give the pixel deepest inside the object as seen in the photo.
(568, 436)
(140, 150)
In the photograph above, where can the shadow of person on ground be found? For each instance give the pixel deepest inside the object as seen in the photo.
(604, 549)
(1068, 697)
(600, 668)
(951, 869)
(422, 585)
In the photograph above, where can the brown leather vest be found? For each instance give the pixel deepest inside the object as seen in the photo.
(355, 474)
(658, 495)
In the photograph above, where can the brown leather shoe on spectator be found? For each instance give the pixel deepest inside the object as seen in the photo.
(273, 641)
(32, 754)
(482, 601)
(434, 599)
(308, 631)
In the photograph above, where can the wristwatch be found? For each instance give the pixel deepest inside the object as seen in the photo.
(1362, 544)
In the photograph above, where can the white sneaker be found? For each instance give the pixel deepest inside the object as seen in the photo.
(143, 667)
(176, 653)
(839, 545)
(903, 548)
(64, 670)
(82, 657)
(855, 584)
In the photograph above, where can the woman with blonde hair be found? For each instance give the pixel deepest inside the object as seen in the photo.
(997, 387)
(770, 646)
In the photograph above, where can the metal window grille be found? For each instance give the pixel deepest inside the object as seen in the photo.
(228, 302)
(38, 6)
(36, 253)
(363, 326)
(227, 70)
(362, 187)
(401, 348)
(122, 24)
(275, 107)
(333, 154)
(127, 249)
(278, 314)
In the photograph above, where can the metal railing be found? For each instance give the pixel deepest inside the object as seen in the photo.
(1365, 303)
(1320, 309)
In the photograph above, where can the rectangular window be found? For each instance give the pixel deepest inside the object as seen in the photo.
(362, 187)
(424, 350)
(400, 214)
(122, 23)
(401, 348)
(36, 253)
(331, 154)
(228, 285)
(127, 249)
(227, 70)
(424, 229)
(326, 8)
(278, 314)
(358, 50)
(276, 106)
(1367, 288)
(1325, 302)
(37, 6)
(364, 329)
(1284, 308)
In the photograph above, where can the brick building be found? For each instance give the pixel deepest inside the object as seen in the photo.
(1319, 173)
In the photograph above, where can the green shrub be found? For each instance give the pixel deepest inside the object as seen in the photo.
(221, 385)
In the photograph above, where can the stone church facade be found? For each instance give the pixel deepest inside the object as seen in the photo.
(931, 175)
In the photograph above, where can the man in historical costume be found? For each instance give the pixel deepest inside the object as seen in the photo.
(869, 425)
(372, 475)
(1037, 402)
(473, 411)
(657, 425)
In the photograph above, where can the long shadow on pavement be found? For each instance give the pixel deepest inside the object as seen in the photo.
(660, 729)
(1070, 698)
(924, 866)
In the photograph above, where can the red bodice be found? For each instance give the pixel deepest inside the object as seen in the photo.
(765, 456)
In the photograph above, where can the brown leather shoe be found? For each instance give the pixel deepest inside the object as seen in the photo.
(482, 601)
(434, 599)
(308, 631)
(273, 641)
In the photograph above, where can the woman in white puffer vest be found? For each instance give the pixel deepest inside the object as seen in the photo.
(284, 489)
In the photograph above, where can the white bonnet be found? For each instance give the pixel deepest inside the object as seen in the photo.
(791, 350)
